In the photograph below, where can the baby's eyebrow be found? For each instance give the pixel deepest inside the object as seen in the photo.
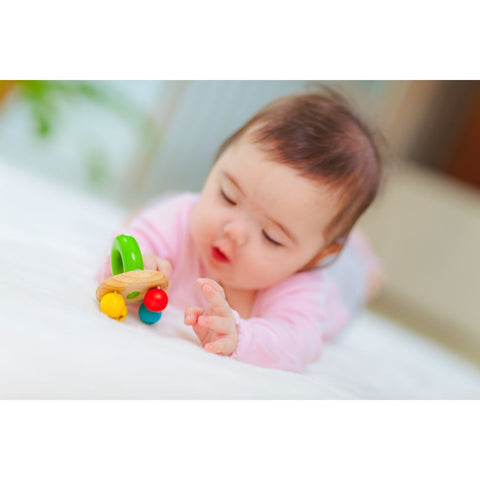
(226, 174)
(284, 229)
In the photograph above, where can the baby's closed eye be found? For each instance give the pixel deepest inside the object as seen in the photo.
(270, 239)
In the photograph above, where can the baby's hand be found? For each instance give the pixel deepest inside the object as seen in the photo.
(215, 327)
(152, 262)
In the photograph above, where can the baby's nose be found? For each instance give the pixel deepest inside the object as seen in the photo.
(237, 232)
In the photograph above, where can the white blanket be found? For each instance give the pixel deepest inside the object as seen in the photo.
(55, 342)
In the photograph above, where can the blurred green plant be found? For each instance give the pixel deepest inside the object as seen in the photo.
(43, 97)
(46, 99)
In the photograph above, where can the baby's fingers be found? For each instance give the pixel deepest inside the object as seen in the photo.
(191, 315)
(215, 285)
(217, 323)
(222, 346)
(214, 294)
(164, 266)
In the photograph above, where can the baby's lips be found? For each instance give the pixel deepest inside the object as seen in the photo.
(222, 252)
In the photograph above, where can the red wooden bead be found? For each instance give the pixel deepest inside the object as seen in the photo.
(155, 300)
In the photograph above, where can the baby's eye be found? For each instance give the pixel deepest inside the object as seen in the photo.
(270, 239)
(229, 200)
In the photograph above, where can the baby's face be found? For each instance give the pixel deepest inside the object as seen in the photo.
(257, 222)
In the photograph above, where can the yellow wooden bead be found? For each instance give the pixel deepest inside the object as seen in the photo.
(113, 305)
(123, 315)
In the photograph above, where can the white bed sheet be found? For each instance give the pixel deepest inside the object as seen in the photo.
(55, 343)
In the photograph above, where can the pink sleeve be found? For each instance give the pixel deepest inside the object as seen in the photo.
(289, 331)
(156, 230)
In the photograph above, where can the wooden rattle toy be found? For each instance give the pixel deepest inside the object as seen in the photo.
(132, 284)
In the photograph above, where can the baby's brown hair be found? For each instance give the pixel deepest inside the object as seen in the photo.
(320, 136)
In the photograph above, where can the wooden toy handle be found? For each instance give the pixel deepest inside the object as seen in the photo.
(134, 281)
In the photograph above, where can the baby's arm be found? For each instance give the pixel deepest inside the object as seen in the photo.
(287, 336)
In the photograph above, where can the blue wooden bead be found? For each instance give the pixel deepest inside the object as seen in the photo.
(148, 317)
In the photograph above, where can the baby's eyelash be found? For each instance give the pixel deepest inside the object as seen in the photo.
(271, 240)
(229, 200)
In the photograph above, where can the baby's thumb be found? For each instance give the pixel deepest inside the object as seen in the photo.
(149, 261)
(164, 266)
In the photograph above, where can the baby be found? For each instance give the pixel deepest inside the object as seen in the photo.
(247, 257)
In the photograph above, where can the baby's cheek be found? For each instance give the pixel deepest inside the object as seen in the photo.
(271, 269)
(260, 269)
(202, 225)
(196, 227)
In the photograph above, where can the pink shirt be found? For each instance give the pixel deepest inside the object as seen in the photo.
(289, 321)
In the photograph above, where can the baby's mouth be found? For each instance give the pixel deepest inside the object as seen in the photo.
(219, 256)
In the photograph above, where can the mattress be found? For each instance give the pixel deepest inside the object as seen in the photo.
(56, 344)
